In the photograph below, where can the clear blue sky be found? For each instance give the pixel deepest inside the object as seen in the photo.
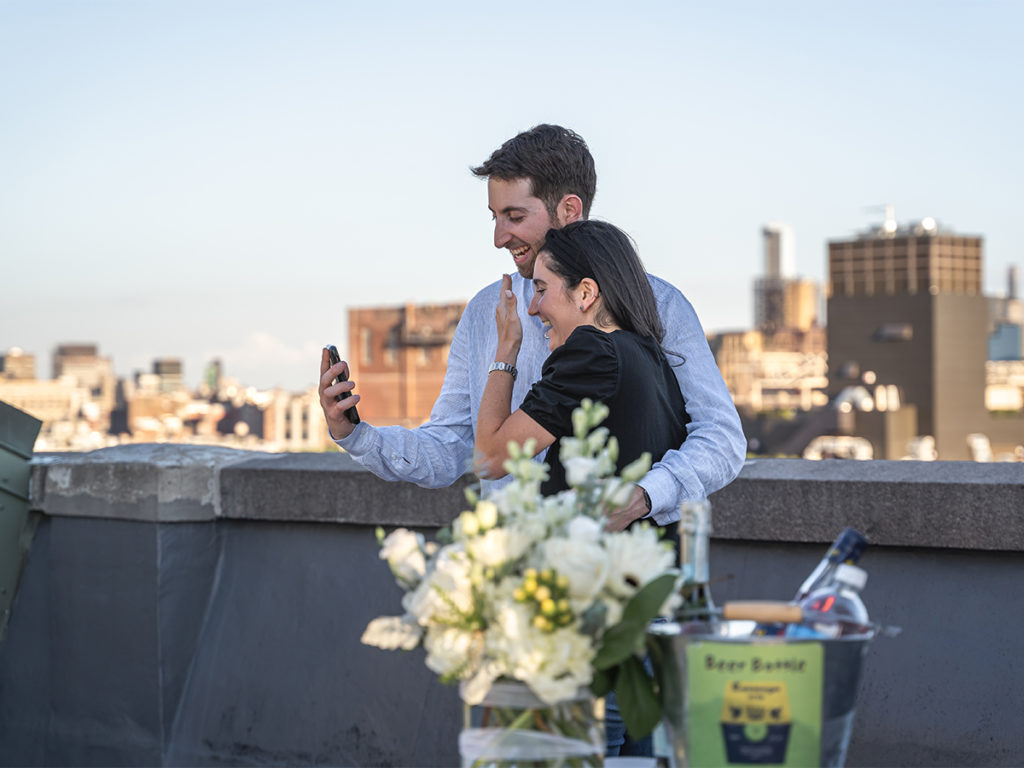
(224, 179)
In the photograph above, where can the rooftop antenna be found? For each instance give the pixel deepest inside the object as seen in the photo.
(889, 226)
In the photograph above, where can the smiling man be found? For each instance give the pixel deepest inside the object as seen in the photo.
(543, 179)
(540, 179)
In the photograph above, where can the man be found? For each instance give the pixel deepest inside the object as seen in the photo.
(544, 178)
(540, 179)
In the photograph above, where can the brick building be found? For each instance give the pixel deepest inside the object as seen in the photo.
(398, 357)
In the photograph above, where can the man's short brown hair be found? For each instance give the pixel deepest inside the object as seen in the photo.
(555, 160)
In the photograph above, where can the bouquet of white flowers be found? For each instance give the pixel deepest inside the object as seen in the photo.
(533, 588)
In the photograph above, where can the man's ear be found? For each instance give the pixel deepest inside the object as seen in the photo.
(570, 209)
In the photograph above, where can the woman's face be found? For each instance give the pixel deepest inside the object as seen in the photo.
(553, 303)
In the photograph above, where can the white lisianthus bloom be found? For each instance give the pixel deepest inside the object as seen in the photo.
(584, 563)
(403, 551)
(579, 470)
(570, 448)
(393, 632)
(487, 514)
(596, 439)
(636, 556)
(466, 525)
(498, 546)
(618, 492)
(453, 652)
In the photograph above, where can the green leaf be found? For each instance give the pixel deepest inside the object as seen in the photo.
(634, 690)
(619, 643)
(603, 681)
(646, 603)
(668, 674)
(627, 638)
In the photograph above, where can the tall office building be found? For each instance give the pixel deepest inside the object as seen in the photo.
(779, 250)
(400, 354)
(782, 301)
(170, 373)
(905, 308)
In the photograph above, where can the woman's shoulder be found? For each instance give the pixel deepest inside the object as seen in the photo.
(587, 353)
(586, 339)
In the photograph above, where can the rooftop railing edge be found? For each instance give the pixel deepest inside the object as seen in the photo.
(958, 504)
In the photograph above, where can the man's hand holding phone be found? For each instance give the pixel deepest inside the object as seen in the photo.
(336, 398)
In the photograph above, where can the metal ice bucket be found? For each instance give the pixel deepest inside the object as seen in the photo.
(744, 700)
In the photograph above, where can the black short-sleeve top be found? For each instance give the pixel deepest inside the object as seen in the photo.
(626, 372)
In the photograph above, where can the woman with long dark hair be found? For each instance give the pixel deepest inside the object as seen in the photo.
(604, 333)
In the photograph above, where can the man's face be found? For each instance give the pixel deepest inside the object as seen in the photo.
(520, 221)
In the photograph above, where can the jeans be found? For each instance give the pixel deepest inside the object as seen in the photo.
(617, 741)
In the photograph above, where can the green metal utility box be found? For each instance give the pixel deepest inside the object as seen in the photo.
(18, 433)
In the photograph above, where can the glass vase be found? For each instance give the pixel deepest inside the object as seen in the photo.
(512, 727)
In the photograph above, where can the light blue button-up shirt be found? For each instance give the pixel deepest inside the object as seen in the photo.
(436, 454)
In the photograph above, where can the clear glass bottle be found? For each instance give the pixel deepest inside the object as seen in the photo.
(847, 548)
(694, 547)
(836, 609)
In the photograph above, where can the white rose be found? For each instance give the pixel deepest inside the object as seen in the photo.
(557, 665)
(392, 632)
(583, 528)
(636, 556)
(475, 688)
(446, 593)
(453, 652)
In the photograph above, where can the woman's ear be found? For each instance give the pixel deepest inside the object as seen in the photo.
(570, 209)
(588, 293)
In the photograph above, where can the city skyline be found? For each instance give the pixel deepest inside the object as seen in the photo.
(225, 180)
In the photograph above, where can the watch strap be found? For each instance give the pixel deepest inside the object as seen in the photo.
(499, 366)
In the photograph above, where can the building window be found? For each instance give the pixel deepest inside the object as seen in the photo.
(894, 332)
(365, 346)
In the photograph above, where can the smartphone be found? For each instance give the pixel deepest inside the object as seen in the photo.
(351, 414)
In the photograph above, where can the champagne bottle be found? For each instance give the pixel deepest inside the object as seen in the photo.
(847, 548)
(694, 538)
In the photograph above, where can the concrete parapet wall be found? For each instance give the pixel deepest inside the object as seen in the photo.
(194, 606)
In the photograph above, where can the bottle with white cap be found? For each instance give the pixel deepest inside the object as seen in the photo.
(836, 609)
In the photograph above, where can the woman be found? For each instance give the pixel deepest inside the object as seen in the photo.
(604, 333)
(603, 329)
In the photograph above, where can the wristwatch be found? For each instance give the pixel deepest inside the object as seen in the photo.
(504, 367)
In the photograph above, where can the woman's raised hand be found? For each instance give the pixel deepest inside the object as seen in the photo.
(510, 327)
